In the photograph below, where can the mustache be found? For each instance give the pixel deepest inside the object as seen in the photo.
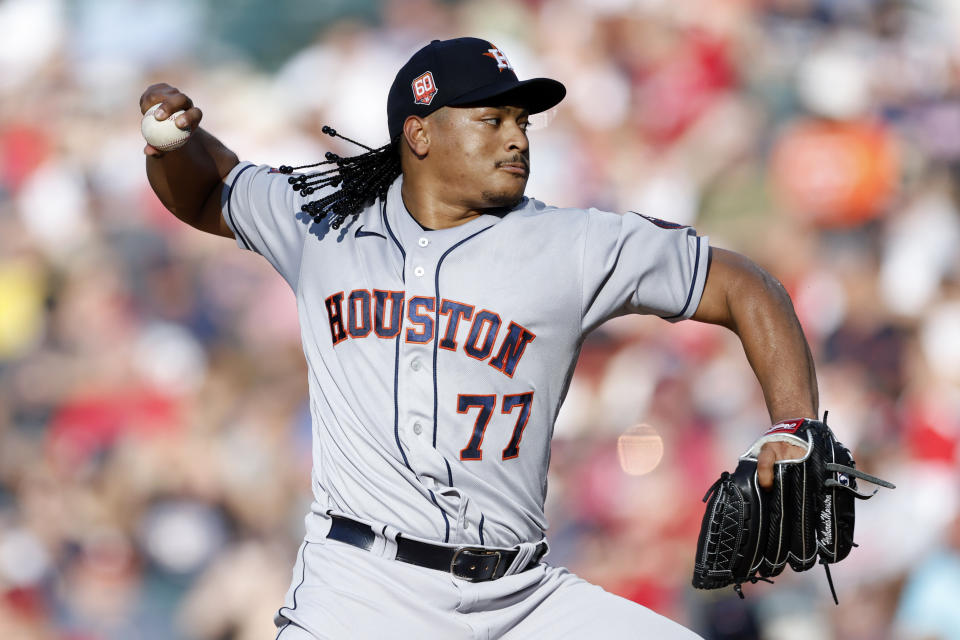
(516, 159)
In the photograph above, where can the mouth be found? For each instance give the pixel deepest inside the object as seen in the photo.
(516, 168)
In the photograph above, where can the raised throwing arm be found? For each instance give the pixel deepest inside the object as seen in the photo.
(188, 180)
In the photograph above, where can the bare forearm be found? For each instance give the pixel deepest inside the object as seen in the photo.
(184, 179)
(773, 341)
(756, 307)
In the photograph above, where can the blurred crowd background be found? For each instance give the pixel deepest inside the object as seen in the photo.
(154, 431)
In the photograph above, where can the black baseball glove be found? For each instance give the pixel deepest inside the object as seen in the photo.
(749, 533)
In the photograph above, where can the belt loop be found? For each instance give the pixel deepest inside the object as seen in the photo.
(389, 536)
(525, 551)
(382, 545)
(528, 553)
(329, 521)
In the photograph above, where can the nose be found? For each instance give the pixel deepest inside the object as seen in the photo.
(517, 138)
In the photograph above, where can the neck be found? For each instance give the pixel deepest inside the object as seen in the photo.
(428, 207)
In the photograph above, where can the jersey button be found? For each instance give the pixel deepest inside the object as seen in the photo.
(423, 242)
(415, 365)
(418, 272)
(417, 429)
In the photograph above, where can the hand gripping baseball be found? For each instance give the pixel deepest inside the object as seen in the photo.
(750, 533)
(170, 100)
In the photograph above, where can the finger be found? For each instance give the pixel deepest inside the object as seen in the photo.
(765, 467)
(793, 452)
(172, 104)
(170, 97)
(152, 151)
(153, 94)
(169, 103)
(189, 120)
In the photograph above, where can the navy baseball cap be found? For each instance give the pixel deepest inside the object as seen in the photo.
(463, 71)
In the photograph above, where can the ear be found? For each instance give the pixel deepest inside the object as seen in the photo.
(417, 134)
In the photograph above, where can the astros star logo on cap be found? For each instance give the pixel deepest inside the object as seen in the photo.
(502, 62)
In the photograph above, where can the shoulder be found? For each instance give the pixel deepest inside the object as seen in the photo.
(532, 212)
(247, 170)
(533, 209)
(567, 226)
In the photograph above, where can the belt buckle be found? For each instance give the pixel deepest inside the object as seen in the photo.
(478, 557)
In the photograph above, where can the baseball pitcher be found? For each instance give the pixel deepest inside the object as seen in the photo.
(442, 312)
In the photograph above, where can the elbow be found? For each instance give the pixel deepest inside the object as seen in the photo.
(738, 291)
(759, 299)
(755, 293)
(774, 290)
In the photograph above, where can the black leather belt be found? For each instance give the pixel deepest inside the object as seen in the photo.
(475, 564)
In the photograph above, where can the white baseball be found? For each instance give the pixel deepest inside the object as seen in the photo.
(164, 135)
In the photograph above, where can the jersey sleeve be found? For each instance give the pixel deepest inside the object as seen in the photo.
(636, 264)
(264, 214)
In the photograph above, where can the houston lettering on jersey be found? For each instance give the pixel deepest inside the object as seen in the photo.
(362, 312)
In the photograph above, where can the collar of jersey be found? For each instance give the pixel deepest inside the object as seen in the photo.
(408, 231)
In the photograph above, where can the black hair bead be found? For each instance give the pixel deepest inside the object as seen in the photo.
(357, 181)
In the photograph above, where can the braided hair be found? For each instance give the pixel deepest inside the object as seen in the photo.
(361, 178)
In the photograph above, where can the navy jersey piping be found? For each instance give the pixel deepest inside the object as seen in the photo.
(446, 521)
(386, 223)
(396, 404)
(481, 528)
(243, 239)
(693, 283)
(303, 576)
(437, 325)
(396, 374)
(396, 356)
(435, 342)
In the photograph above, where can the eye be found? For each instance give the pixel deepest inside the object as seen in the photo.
(523, 125)
(492, 121)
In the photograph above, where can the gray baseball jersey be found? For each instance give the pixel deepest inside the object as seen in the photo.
(438, 360)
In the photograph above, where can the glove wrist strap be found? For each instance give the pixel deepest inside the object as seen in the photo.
(783, 431)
